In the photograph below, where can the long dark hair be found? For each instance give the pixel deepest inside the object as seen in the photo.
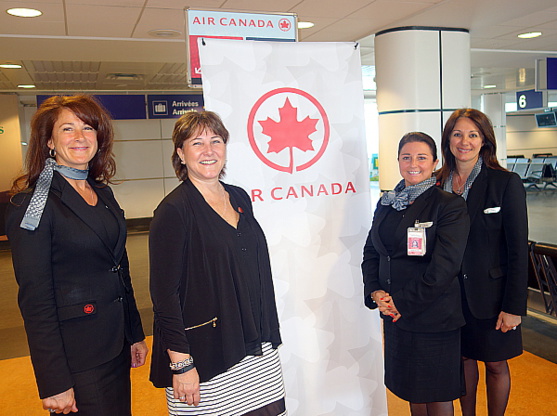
(187, 126)
(101, 168)
(488, 152)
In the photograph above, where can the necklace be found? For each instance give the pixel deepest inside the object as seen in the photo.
(458, 189)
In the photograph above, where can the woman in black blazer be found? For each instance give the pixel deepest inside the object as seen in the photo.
(494, 274)
(67, 236)
(411, 261)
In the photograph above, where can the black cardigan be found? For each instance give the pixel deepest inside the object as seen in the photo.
(192, 283)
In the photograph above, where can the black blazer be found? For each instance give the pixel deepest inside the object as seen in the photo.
(495, 266)
(424, 289)
(75, 292)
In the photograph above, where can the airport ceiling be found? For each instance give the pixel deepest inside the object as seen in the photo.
(87, 45)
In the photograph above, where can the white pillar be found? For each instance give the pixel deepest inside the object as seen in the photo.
(493, 105)
(422, 76)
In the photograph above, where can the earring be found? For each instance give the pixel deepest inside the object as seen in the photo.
(52, 152)
(183, 163)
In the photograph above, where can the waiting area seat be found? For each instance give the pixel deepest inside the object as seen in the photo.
(537, 173)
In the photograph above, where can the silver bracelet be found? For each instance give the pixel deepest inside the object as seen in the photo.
(181, 364)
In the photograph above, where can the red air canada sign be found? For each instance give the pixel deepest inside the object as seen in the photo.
(234, 25)
(289, 131)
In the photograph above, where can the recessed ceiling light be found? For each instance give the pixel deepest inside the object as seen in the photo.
(10, 66)
(489, 86)
(24, 12)
(529, 35)
(164, 33)
(25, 86)
(305, 25)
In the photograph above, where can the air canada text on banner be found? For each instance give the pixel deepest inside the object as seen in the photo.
(302, 191)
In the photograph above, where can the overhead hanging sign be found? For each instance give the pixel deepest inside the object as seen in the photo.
(551, 73)
(120, 107)
(529, 99)
(546, 74)
(281, 27)
(173, 106)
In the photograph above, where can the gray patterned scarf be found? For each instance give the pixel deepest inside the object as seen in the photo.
(402, 196)
(35, 209)
(448, 186)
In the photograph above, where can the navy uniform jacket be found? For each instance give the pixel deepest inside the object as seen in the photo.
(495, 265)
(425, 289)
(75, 292)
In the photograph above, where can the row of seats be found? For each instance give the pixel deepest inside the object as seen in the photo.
(536, 171)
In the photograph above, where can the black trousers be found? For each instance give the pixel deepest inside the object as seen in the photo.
(105, 390)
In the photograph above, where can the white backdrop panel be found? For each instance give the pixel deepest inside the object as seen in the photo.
(295, 114)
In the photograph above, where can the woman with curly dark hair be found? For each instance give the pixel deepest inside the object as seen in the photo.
(68, 235)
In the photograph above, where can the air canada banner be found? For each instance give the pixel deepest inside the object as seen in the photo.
(297, 146)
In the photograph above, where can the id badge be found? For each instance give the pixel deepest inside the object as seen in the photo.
(416, 241)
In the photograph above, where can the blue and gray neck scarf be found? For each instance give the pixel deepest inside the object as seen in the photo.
(402, 195)
(448, 186)
(35, 209)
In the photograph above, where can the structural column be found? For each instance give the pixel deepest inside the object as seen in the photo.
(493, 105)
(422, 76)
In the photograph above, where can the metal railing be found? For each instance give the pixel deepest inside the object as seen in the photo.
(543, 257)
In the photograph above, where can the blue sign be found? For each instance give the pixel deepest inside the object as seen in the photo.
(552, 73)
(120, 107)
(173, 106)
(526, 100)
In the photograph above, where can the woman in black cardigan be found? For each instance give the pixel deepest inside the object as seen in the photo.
(216, 329)
(68, 240)
(411, 261)
(494, 274)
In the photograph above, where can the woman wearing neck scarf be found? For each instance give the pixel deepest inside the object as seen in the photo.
(494, 274)
(411, 261)
(67, 235)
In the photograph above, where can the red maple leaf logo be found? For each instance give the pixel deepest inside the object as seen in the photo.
(289, 132)
(284, 25)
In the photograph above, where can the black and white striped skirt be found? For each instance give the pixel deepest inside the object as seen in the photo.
(253, 383)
